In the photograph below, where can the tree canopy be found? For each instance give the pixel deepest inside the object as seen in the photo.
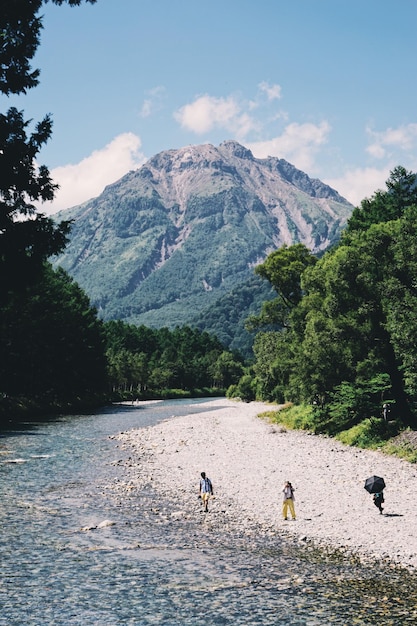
(283, 268)
(27, 238)
(51, 343)
(142, 360)
(20, 29)
(387, 205)
(349, 336)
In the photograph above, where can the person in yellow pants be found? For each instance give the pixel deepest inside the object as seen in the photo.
(288, 500)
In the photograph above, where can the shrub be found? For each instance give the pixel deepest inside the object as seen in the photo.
(293, 416)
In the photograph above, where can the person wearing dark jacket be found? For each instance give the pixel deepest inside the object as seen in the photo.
(378, 500)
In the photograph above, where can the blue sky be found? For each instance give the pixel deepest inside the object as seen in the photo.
(329, 85)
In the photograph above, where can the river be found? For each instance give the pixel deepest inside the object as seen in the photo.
(74, 553)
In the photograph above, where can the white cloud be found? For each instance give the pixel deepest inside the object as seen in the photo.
(394, 146)
(298, 144)
(207, 113)
(87, 179)
(403, 138)
(146, 109)
(357, 184)
(273, 92)
(153, 102)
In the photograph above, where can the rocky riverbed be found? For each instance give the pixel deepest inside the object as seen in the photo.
(248, 459)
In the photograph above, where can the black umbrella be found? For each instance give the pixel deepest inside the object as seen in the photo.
(374, 484)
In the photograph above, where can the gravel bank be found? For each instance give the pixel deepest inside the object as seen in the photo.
(248, 459)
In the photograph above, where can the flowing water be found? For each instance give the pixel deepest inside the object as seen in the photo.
(60, 567)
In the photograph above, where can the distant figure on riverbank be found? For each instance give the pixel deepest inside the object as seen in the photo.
(288, 500)
(378, 500)
(206, 490)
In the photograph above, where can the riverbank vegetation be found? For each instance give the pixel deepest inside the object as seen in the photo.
(145, 362)
(371, 433)
(345, 324)
(35, 323)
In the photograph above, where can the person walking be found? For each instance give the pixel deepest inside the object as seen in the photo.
(378, 500)
(288, 500)
(206, 490)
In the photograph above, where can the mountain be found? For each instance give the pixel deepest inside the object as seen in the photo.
(226, 318)
(165, 242)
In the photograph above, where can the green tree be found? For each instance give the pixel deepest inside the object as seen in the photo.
(283, 269)
(387, 205)
(24, 243)
(141, 358)
(349, 339)
(27, 238)
(51, 346)
(226, 370)
(347, 333)
(245, 389)
(270, 349)
(51, 343)
(400, 299)
(20, 28)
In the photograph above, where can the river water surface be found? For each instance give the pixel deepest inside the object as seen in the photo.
(61, 565)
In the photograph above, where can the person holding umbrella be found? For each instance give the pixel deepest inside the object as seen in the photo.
(376, 485)
(378, 500)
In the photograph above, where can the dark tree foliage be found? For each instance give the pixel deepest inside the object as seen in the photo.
(283, 269)
(20, 28)
(51, 343)
(27, 238)
(24, 243)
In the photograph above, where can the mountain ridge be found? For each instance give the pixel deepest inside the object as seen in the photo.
(166, 240)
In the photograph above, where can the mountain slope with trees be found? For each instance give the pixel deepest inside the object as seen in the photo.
(226, 319)
(164, 243)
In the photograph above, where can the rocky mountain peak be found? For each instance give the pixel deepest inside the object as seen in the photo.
(166, 240)
(234, 148)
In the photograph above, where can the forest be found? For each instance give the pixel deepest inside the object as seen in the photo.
(345, 324)
(146, 362)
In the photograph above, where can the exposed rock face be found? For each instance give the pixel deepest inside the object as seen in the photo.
(167, 240)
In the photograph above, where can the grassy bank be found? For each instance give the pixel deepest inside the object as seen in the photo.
(371, 433)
